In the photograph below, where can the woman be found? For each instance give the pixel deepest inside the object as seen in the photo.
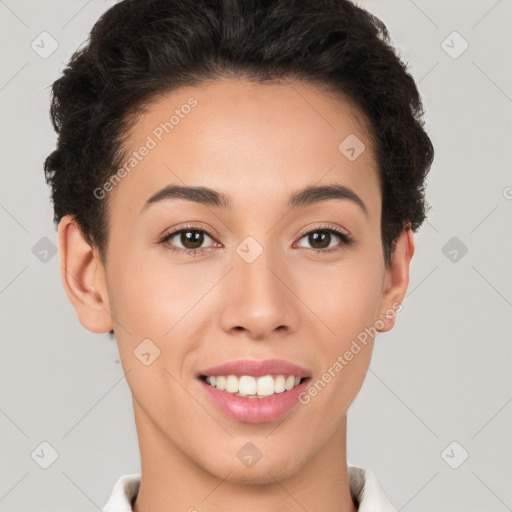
(236, 185)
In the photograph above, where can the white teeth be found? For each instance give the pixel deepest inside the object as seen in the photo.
(232, 384)
(247, 385)
(253, 387)
(279, 384)
(290, 382)
(266, 385)
(219, 382)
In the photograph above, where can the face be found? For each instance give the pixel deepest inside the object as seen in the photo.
(193, 284)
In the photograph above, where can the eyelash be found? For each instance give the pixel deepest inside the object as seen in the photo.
(346, 240)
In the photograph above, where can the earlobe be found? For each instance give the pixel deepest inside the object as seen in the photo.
(83, 277)
(396, 280)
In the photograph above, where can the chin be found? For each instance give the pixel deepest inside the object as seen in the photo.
(264, 471)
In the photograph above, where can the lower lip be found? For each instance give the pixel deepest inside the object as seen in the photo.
(254, 410)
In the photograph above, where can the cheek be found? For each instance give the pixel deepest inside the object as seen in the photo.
(344, 350)
(155, 309)
(152, 297)
(346, 300)
(344, 297)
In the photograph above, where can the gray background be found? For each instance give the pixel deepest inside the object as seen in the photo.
(442, 375)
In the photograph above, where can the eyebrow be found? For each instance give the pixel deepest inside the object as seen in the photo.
(302, 198)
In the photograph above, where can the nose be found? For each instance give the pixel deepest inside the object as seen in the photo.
(258, 299)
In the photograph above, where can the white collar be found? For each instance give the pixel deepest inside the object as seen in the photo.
(364, 488)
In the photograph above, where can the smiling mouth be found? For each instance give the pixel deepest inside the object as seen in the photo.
(248, 386)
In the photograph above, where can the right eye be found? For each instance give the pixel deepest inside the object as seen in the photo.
(190, 237)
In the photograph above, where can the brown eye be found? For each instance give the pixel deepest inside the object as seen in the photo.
(322, 239)
(319, 239)
(190, 239)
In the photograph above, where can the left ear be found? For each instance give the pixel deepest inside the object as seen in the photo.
(396, 280)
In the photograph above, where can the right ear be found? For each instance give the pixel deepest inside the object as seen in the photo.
(83, 277)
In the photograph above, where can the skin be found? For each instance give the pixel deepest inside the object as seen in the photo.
(258, 144)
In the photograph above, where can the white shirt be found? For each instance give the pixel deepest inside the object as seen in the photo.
(364, 488)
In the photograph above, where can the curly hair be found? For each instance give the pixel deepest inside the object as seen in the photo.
(140, 49)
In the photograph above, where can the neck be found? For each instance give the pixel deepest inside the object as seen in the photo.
(172, 480)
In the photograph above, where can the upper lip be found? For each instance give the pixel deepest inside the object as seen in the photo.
(257, 368)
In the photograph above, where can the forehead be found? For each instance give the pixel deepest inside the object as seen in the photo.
(249, 140)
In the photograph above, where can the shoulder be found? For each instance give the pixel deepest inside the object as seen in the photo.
(366, 491)
(125, 489)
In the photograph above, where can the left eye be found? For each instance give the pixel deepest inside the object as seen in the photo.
(321, 238)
